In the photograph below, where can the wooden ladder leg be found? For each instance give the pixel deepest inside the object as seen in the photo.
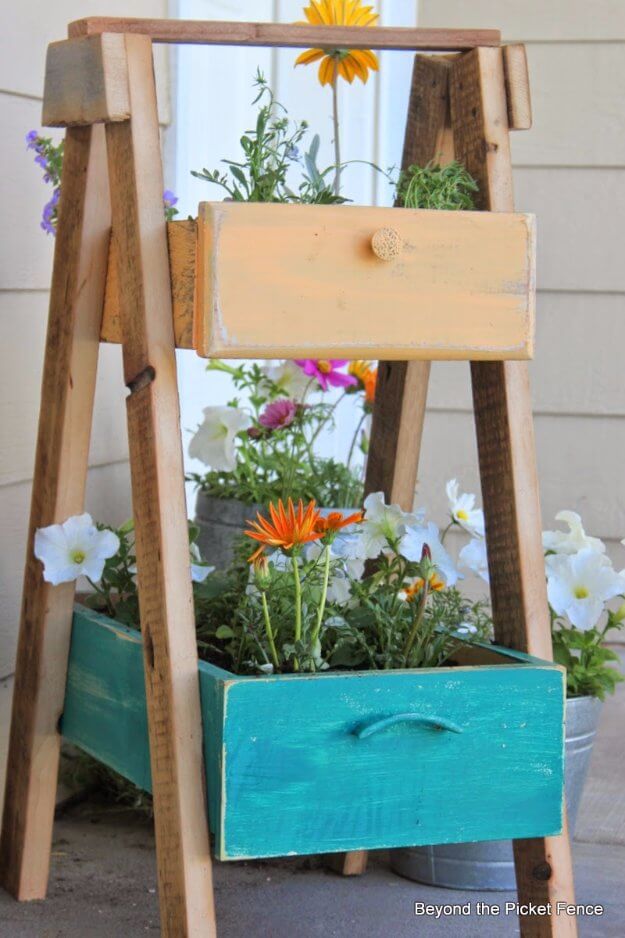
(402, 387)
(503, 416)
(162, 542)
(68, 386)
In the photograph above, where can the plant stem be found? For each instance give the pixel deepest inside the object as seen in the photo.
(269, 630)
(335, 122)
(447, 529)
(417, 622)
(298, 606)
(354, 438)
(324, 595)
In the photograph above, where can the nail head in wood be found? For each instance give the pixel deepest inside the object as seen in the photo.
(386, 244)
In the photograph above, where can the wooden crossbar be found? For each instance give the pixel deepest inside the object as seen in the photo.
(293, 36)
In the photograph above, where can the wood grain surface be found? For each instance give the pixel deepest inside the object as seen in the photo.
(505, 436)
(67, 392)
(159, 509)
(302, 281)
(221, 32)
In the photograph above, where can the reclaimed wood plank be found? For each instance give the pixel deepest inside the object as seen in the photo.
(85, 81)
(295, 36)
(461, 287)
(68, 387)
(181, 243)
(163, 573)
(503, 416)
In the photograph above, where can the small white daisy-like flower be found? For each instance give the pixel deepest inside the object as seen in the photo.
(463, 511)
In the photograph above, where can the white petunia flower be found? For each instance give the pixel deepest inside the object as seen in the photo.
(290, 379)
(74, 548)
(579, 585)
(383, 523)
(199, 569)
(474, 557)
(411, 547)
(463, 510)
(573, 540)
(214, 440)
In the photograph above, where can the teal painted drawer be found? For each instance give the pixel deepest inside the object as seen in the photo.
(343, 761)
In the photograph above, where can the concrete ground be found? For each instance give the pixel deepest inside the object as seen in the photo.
(103, 881)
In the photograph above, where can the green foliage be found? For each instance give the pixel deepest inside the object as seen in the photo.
(375, 633)
(448, 188)
(588, 662)
(270, 149)
(280, 463)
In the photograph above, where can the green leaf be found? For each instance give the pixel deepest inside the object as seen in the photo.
(224, 632)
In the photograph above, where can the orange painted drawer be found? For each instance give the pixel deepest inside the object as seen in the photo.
(319, 281)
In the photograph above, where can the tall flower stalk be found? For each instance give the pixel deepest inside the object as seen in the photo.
(347, 63)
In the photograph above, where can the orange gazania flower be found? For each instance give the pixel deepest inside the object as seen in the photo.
(288, 528)
(348, 63)
(335, 521)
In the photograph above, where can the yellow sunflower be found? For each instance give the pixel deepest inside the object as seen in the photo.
(349, 63)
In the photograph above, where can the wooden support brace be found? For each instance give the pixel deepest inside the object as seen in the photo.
(68, 386)
(503, 416)
(162, 541)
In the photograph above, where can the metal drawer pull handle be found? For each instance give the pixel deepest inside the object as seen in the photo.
(438, 723)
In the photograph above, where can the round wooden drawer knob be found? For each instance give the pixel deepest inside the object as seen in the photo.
(386, 244)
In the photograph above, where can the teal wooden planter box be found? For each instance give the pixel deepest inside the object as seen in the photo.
(343, 761)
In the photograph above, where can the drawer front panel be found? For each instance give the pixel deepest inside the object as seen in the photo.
(290, 281)
(382, 760)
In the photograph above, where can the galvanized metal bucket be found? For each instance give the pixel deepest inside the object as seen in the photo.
(221, 521)
(490, 865)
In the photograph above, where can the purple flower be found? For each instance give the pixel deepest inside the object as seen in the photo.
(169, 198)
(48, 220)
(31, 139)
(278, 414)
(326, 371)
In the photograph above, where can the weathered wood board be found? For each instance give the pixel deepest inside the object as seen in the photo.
(288, 773)
(291, 281)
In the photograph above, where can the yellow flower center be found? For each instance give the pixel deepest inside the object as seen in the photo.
(581, 592)
(324, 367)
(462, 515)
(78, 556)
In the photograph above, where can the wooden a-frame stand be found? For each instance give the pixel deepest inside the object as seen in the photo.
(100, 85)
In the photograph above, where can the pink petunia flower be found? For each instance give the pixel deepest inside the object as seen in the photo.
(326, 371)
(279, 414)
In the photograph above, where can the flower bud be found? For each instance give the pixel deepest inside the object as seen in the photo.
(262, 572)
